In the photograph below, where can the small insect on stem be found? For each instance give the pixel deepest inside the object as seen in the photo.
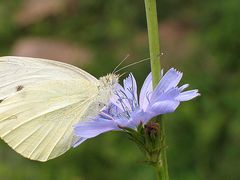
(19, 88)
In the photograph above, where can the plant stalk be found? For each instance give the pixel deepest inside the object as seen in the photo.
(154, 48)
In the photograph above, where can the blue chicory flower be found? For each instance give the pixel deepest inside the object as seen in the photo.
(126, 110)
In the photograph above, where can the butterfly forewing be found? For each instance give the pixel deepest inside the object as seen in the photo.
(40, 101)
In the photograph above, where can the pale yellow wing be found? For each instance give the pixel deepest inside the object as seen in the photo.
(23, 71)
(39, 106)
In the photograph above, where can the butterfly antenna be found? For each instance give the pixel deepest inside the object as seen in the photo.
(120, 64)
(143, 60)
(122, 74)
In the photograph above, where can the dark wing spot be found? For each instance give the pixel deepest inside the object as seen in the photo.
(1, 100)
(19, 88)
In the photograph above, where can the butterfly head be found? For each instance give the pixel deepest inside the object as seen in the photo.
(109, 81)
(106, 87)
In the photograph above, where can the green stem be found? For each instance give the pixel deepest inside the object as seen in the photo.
(159, 172)
(153, 37)
(154, 48)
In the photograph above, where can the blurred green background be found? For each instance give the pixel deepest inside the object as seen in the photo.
(200, 38)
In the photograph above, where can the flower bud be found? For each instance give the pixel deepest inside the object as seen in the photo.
(152, 133)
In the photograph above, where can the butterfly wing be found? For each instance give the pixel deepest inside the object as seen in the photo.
(22, 71)
(40, 101)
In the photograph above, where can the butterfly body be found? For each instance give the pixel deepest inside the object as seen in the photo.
(41, 100)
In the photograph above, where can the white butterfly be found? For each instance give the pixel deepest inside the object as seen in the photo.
(41, 100)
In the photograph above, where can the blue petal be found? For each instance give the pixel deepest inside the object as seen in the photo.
(124, 99)
(130, 87)
(169, 95)
(124, 122)
(164, 107)
(168, 81)
(145, 92)
(78, 142)
(183, 87)
(110, 111)
(116, 98)
(140, 116)
(187, 95)
(89, 129)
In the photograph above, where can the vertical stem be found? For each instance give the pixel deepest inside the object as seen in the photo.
(153, 38)
(159, 173)
(154, 48)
